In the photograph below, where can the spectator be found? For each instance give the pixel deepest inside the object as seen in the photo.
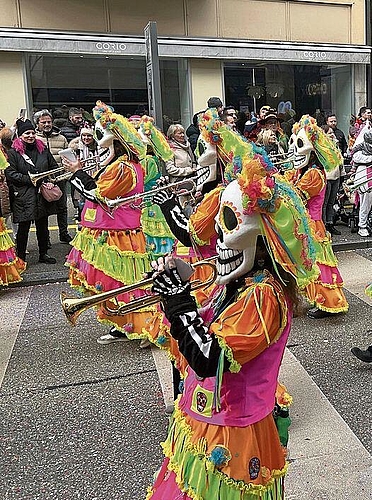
(362, 161)
(54, 141)
(215, 102)
(88, 151)
(357, 125)
(333, 185)
(267, 140)
(73, 125)
(253, 127)
(271, 122)
(331, 120)
(229, 117)
(183, 163)
(193, 131)
(29, 154)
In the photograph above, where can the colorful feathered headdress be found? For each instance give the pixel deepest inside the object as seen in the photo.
(325, 148)
(156, 138)
(123, 130)
(284, 219)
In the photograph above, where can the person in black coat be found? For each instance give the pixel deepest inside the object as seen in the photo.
(29, 155)
(71, 128)
(193, 131)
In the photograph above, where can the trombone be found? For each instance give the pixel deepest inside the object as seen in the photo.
(147, 196)
(73, 307)
(35, 178)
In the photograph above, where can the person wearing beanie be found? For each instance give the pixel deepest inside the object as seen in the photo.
(29, 155)
(54, 141)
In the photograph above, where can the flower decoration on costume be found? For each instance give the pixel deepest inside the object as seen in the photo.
(99, 286)
(220, 456)
(326, 149)
(258, 187)
(128, 328)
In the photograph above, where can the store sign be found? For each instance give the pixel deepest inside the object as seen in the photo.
(316, 89)
(111, 47)
(313, 55)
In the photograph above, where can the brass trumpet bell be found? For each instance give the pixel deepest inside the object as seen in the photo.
(73, 307)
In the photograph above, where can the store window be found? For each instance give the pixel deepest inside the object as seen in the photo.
(306, 89)
(79, 81)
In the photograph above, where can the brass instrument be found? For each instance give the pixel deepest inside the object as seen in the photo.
(51, 173)
(148, 195)
(73, 307)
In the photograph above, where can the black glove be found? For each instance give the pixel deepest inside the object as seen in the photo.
(169, 283)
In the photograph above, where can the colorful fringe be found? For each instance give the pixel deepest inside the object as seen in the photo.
(11, 266)
(188, 468)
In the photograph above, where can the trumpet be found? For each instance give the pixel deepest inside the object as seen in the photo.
(35, 178)
(147, 196)
(73, 307)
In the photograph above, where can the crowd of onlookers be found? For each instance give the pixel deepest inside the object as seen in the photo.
(74, 128)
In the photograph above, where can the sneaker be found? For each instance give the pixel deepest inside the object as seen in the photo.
(365, 356)
(46, 259)
(316, 313)
(363, 232)
(114, 335)
(144, 343)
(66, 238)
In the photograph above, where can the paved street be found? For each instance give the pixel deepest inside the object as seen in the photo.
(84, 421)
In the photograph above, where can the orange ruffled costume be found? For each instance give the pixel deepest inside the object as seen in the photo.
(326, 292)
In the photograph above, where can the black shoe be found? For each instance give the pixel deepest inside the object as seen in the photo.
(365, 356)
(46, 259)
(66, 238)
(331, 229)
(316, 313)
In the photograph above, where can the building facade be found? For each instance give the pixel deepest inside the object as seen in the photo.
(307, 55)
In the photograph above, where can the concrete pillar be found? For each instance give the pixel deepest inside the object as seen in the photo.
(206, 81)
(12, 95)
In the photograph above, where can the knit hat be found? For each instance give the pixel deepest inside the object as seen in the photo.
(86, 130)
(134, 118)
(23, 126)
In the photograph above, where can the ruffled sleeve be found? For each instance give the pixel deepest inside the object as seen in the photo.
(311, 183)
(252, 323)
(201, 223)
(118, 179)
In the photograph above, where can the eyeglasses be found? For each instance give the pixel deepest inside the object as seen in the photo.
(231, 114)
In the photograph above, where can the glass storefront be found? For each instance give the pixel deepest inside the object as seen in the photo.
(305, 88)
(79, 81)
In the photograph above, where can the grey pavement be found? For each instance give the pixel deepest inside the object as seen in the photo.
(84, 421)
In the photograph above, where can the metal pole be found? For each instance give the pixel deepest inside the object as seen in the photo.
(153, 73)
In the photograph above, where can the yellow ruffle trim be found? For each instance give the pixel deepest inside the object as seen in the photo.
(186, 458)
(124, 266)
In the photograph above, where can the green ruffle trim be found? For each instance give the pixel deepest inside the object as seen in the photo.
(234, 365)
(124, 266)
(5, 242)
(326, 256)
(195, 470)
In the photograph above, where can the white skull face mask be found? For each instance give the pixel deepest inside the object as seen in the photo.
(237, 236)
(104, 137)
(207, 163)
(300, 148)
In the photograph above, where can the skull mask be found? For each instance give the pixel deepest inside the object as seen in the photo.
(103, 136)
(237, 236)
(207, 163)
(301, 148)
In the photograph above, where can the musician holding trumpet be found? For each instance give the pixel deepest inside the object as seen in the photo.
(29, 155)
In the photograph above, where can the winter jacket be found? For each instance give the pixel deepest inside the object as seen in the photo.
(182, 164)
(193, 133)
(54, 142)
(70, 131)
(28, 204)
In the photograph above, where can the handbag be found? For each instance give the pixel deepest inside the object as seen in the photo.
(50, 192)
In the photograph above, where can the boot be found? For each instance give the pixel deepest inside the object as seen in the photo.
(365, 356)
